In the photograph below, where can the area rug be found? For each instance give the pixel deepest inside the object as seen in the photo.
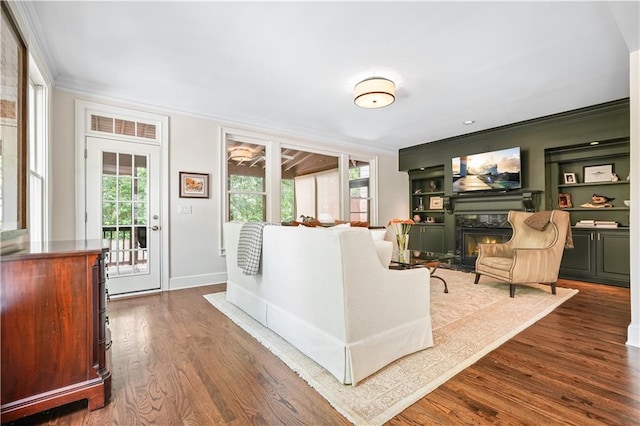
(468, 322)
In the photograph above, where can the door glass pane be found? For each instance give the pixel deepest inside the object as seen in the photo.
(125, 204)
(124, 188)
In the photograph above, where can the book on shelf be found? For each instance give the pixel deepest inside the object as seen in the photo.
(597, 224)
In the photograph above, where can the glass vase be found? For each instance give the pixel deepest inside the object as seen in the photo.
(403, 247)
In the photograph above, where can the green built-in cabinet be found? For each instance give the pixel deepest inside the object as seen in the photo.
(551, 146)
(567, 170)
(427, 209)
(600, 255)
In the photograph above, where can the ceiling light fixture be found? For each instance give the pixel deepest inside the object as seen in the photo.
(468, 122)
(375, 92)
(240, 154)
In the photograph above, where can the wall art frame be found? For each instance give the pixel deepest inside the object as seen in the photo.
(435, 203)
(570, 178)
(600, 173)
(564, 201)
(194, 185)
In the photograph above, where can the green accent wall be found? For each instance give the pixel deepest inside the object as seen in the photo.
(601, 122)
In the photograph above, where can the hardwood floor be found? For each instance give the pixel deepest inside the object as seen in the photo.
(177, 360)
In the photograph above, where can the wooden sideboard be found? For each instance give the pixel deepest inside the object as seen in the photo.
(53, 324)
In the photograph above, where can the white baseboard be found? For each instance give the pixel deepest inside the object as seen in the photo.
(633, 335)
(197, 280)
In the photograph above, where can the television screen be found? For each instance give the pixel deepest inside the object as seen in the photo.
(487, 171)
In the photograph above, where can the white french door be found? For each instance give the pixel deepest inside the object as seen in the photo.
(123, 209)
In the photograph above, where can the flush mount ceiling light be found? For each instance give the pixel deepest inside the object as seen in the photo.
(240, 154)
(375, 92)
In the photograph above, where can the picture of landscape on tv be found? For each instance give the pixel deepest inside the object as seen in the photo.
(488, 171)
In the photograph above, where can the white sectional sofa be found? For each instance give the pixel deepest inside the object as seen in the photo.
(327, 293)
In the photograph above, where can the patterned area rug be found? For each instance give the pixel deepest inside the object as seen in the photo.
(468, 322)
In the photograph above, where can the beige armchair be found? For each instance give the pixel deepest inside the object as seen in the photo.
(532, 255)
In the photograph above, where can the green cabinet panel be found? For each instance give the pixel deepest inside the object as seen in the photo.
(427, 238)
(579, 262)
(613, 255)
(600, 256)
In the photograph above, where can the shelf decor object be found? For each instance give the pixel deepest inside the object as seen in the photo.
(564, 201)
(600, 173)
(570, 178)
(435, 203)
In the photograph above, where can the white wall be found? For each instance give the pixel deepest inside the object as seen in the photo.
(194, 146)
(393, 187)
(633, 332)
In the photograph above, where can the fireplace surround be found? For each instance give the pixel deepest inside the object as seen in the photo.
(474, 229)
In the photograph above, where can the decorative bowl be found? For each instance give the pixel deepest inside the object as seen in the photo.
(627, 203)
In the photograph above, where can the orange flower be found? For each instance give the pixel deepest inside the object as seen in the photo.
(401, 228)
(401, 221)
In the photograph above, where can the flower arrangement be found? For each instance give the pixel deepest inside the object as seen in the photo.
(401, 228)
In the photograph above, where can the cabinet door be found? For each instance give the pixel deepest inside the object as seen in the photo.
(415, 237)
(432, 238)
(613, 256)
(579, 262)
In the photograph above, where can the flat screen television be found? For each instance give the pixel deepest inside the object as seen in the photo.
(488, 171)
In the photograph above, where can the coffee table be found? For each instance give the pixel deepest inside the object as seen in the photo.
(423, 259)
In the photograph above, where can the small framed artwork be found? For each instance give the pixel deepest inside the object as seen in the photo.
(564, 201)
(600, 173)
(570, 178)
(194, 185)
(435, 203)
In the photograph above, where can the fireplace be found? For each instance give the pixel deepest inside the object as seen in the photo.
(471, 237)
(472, 229)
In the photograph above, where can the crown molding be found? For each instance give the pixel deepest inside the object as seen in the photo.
(29, 23)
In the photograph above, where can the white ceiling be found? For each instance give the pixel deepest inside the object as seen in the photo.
(291, 66)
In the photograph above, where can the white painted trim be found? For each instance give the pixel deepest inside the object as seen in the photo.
(178, 283)
(83, 109)
(633, 331)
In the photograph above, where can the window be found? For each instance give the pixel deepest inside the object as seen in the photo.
(247, 196)
(37, 159)
(359, 194)
(274, 181)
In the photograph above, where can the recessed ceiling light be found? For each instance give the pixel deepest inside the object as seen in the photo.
(594, 143)
(468, 122)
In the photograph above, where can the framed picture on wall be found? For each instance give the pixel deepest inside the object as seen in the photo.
(194, 185)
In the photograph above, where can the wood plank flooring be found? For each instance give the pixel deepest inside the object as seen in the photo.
(177, 360)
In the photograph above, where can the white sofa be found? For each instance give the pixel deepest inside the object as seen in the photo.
(327, 293)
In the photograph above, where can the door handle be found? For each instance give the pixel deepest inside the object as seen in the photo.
(155, 228)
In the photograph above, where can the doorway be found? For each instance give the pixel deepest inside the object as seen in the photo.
(123, 209)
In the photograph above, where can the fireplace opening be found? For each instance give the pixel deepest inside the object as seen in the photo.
(471, 237)
(474, 229)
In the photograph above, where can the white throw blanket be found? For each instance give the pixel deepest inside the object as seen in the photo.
(250, 247)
